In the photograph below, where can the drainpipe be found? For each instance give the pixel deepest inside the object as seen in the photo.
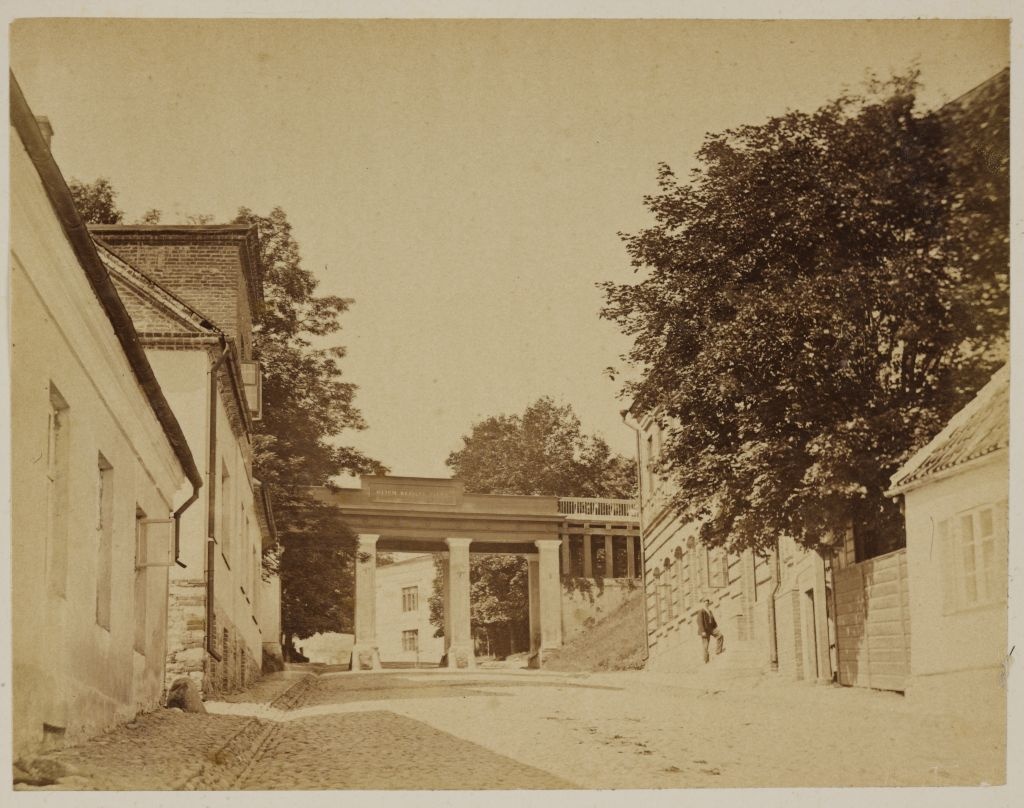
(632, 424)
(177, 526)
(211, 512)
(773, 632)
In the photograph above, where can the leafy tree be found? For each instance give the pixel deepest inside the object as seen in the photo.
(151, 216)
(541, 451)
(317, 568)
(816, 300)
(307, 404)
(96, 201)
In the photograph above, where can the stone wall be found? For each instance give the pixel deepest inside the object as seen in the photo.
(239, 666)
(186, 630)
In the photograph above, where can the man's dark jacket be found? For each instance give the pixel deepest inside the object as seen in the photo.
(705, 623)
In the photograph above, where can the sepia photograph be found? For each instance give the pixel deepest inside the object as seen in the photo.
(490, 403)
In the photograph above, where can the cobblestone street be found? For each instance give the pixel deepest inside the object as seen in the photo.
(517, 729)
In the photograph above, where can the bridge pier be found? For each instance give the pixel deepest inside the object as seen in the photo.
(549, 600)
(365, 655)
(458, 634)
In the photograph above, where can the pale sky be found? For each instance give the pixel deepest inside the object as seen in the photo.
(463, 181)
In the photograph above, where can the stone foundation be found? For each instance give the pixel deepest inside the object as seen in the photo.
(186, 631)
(239, 665)
(273, 657)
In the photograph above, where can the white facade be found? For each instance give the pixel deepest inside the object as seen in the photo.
(404, 631)
(184, 375)
(92, 471)
(218, 641)
(957, 536)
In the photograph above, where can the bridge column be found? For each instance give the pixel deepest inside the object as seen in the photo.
(609, 559)
(460, 643)
(630, 557)
(533, 585)
(588, 557)
(365, 655)
(550, 597)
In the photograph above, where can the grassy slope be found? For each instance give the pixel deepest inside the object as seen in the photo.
(614, 644)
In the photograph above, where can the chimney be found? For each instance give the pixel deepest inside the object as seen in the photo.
(45, 128)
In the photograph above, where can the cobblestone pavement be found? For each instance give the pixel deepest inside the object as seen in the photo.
(510, 729)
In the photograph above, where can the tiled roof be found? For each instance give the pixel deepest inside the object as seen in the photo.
(980, 428)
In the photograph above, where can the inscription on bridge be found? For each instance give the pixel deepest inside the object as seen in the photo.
(414, 494)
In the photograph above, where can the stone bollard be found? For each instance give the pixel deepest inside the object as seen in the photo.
(184, 694)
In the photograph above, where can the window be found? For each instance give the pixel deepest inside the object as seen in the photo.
(411, 640)
(684, 600)
(105, 539)
(410, 599)
(667, 590)
(140, 581)
(252, 381)
(718, 562)
(972, 560)
(57, 493)
(701, 552)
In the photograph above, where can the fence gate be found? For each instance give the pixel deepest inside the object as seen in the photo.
(873, 620)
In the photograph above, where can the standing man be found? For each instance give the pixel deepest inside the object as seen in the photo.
(707, 627)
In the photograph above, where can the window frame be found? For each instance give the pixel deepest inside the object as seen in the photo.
(963, 545)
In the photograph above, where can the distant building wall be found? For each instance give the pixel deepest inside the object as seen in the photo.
(270, 622)
(396, 620)
(679, 572)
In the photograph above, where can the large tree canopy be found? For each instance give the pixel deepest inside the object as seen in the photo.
(306, 406)
(541, 451)
(815, 301)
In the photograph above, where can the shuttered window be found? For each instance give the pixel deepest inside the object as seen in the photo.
(972, 560)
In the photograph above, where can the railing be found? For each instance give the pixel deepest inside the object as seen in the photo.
(596, 506)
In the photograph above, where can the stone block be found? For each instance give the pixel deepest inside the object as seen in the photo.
(184, 694)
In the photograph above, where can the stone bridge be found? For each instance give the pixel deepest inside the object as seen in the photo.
(427, 515)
